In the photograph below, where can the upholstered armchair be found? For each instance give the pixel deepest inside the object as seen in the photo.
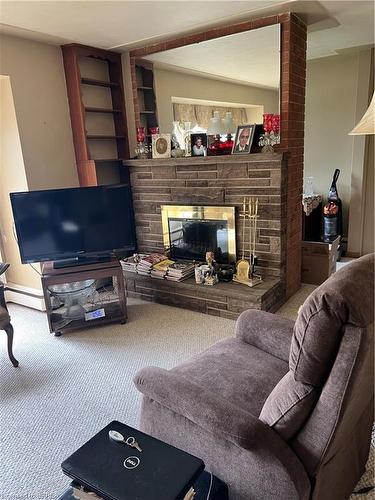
(282, 410)
(5, 323)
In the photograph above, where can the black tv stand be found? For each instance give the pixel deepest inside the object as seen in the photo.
(81, 261)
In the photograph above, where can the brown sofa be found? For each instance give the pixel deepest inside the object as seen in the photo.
(282, 410)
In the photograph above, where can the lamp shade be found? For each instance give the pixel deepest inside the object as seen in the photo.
(367, 124)
(228, 124)
(215, 127)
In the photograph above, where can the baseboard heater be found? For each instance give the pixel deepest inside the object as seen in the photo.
(28, 297)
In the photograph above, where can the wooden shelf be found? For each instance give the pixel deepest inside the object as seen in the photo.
(144, 88)
(99, 83)
(101, 137)
(89, 142)
(105, 160)
(147, 112)
(101, 110)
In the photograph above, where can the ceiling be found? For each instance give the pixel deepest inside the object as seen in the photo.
(333, 27)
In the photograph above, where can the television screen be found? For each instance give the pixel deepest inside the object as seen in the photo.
(60, 224)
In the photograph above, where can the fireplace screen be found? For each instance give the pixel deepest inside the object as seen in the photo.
(191, 231)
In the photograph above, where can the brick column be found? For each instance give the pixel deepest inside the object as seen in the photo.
(293, 83)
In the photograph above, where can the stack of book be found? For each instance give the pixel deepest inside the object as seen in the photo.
(145, 265)
(81, 493)
(159, 270)
(180, 271)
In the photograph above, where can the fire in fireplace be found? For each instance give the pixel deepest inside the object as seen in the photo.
(191, 231)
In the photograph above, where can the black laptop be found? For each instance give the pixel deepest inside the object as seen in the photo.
(116, 471)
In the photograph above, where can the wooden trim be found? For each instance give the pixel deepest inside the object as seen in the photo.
(76, 108)
(87, 51)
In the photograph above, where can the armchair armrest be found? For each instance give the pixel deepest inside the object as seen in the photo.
(215, 415)
(269, 332)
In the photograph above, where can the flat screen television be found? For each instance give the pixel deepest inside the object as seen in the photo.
(74, 225)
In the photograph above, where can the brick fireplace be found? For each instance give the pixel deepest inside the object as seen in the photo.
(216, 181)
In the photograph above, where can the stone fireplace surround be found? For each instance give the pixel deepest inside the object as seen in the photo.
(224, 181)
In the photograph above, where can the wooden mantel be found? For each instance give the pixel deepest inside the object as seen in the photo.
(206, 160)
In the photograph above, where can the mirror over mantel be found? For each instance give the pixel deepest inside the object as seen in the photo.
(239, 73)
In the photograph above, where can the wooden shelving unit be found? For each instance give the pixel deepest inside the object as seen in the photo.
(108, 139)
(147, 116)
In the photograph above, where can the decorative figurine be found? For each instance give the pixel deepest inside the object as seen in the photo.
(210, 277)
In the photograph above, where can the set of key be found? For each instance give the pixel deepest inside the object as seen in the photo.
(119, 438)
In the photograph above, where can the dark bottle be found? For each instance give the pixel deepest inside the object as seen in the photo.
(332, 212)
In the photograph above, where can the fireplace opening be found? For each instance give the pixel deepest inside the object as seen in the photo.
(191, 231)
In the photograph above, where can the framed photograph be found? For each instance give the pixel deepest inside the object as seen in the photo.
(198, 144)
(244, 139)
(161, 145)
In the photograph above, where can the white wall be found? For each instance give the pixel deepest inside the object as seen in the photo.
(331, 109)
(12, 178)
(38, 82)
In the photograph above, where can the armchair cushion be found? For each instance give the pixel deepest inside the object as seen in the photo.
(288, 406)
(320, 324)
(239, 372)
(266, 331)
(204, 408)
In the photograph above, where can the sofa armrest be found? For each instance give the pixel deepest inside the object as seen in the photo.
(269, 332)
(216, 415)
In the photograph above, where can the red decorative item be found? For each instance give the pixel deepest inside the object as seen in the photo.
(140, 134)
(267, 122)
(153, 130)
(275, 124)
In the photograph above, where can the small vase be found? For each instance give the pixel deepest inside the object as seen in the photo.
(187, 132)
(177, 136)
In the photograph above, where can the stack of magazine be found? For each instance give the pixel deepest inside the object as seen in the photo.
(147, 262)
(180, 271)
(160, 269)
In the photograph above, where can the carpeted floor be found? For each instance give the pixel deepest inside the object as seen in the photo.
(66, 388)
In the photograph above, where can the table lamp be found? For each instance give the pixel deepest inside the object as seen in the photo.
(215, 128)
(367, 124)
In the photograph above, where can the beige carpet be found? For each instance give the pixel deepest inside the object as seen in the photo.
(66, 388)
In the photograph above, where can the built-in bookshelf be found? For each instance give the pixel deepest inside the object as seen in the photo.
(147, 110)
(97, 112)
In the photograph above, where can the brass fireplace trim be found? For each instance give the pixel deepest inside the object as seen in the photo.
(227, 214)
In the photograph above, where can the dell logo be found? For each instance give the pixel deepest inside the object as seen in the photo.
(131, 462)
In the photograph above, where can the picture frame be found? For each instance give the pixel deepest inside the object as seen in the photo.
(161, 145)
(198, 144)
(244, 139)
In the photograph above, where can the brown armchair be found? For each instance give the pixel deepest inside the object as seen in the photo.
(282, 410)
(5, 323)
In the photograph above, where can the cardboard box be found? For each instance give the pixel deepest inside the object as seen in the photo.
(318, 260)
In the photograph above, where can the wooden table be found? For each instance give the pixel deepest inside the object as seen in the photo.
(115, 311)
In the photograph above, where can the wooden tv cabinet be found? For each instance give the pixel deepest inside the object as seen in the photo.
(115, 311)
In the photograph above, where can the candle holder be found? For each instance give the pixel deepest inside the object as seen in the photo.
(271, 136)
(268, 140)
